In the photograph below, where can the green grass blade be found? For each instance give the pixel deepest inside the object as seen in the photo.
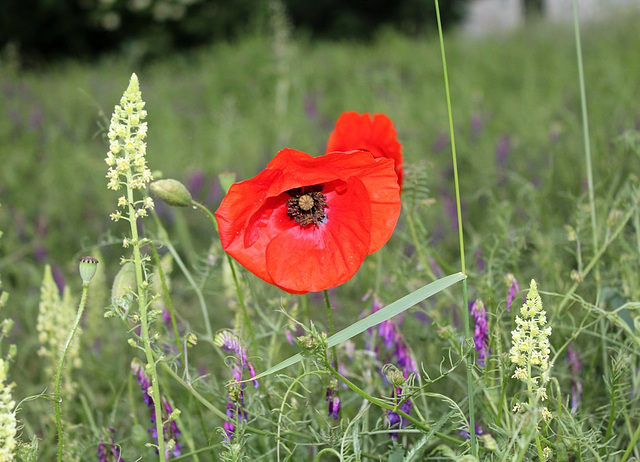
(376, 318)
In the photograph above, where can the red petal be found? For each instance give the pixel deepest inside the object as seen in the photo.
(253, 215)
(314, 258)
(381, 182)
(359, 131)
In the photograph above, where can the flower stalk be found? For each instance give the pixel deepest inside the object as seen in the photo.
(87, 270)
(127, 166)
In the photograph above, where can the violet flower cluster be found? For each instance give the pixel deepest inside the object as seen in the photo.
(230, 343)
(109, 452)
(170, 429)
(393, 342)
(481, 331)
(514, 288)
(395, 420)
(332, 399)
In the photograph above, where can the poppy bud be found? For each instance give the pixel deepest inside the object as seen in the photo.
(172, 192)
(88, 267)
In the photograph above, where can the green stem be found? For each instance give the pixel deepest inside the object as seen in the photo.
(331, 328)
(465, 296)
(144, 324)
(612, 237)
(389, 407)
(167, 298)
(57, 400)
(585, 131)
(176, 256)
(418, 244)
(632, 445)
(534, 407)
(243, 306)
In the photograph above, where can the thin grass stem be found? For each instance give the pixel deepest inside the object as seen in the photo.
(465, 295)
(390, 407)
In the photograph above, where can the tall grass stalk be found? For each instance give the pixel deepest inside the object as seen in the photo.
(465, 295)
(586, 134)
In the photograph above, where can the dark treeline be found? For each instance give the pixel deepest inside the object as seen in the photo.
(46, 29)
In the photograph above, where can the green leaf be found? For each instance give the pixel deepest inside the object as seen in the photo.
(376, 318)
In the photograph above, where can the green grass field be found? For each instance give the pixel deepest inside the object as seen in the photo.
(526, 211)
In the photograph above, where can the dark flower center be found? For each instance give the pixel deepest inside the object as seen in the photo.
(306, 205)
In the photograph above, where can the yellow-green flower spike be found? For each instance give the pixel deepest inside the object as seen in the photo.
(530, 339)
(126, 157)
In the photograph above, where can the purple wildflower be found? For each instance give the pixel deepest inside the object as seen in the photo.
(465, 430)
(230, 343)
(166, 316)
(235, 408)
(575, 366)
(143, 381)
(170, 429)
(395, 420)
(109, 452)
(333, 399)
(514, 288)
(481, 331)
(393, 341)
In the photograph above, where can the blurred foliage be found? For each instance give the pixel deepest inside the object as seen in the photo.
(42, 29)
(363, 18)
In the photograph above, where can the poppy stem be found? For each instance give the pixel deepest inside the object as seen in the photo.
(331, 328)
(57, 399)
(243, 306)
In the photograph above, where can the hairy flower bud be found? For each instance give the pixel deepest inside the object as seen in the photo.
(172, 192)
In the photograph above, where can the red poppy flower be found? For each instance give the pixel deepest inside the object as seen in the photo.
(375, 134)
(307, 223)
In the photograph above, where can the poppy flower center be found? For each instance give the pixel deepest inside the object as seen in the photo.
(306, 205)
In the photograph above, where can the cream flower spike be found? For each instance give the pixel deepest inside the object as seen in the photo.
(127, 150)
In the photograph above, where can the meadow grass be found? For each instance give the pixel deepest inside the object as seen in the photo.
(231, 107)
